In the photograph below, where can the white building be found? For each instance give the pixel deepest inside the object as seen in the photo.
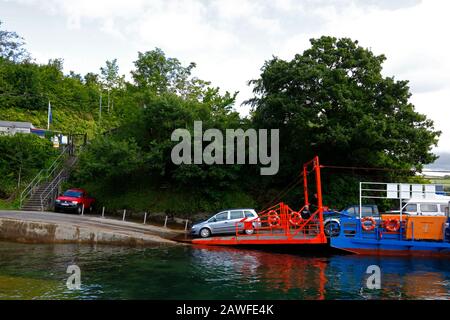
(13, 127)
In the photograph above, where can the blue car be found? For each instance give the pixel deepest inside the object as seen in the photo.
(332, 219)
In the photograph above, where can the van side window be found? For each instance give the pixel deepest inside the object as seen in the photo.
(428, 207)
(412, 207)
(236, 215)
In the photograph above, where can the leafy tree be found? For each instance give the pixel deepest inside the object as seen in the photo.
(110, 78)
(108, 159)
(12, 46)
(160, 74)
(333, 101)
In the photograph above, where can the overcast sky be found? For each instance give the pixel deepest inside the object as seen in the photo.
(230, 39)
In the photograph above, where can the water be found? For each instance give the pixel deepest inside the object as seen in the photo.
(29, 271)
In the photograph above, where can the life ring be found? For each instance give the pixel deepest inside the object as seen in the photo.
(273, 218)
(392, 225)
(367, 227)
(295, 219)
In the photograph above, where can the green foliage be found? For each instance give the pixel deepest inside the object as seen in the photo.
(22, 157)
(145, 196)
(108, 159)
(333, 101)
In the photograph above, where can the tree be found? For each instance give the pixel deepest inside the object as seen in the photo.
(160, 74)
(333, 101)
(109, 159)
(12, 46)
(110, 78)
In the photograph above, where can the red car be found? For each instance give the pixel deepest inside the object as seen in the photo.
(73, 200)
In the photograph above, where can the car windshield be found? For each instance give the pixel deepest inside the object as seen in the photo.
(73, 194)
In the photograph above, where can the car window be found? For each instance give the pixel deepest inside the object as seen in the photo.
(74, 194)
(428, 207)
(249, 214)
(222, 216)
(412, 207)
(367, 211)
(236, 214)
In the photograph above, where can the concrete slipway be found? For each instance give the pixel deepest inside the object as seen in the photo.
(50, 227)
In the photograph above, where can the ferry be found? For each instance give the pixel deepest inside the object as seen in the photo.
(419, 228)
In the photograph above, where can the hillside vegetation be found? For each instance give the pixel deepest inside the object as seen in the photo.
(331, 100)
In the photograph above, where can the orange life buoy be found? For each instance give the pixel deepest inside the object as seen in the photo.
(295, 219)
(367, 227)
(392, 225)
(272, 218)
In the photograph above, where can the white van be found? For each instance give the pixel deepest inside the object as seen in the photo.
(427, 207)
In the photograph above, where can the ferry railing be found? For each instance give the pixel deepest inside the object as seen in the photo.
(397, 191)
(280, 220)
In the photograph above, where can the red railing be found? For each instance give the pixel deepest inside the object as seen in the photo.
(280, 220)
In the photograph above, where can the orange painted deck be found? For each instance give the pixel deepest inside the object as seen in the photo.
(259, 239)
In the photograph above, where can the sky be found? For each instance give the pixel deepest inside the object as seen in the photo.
(230, 39)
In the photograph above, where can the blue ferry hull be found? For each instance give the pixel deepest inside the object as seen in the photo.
(379, 241)
(391, 247)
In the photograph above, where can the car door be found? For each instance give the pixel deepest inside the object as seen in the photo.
(88, 200)
(220, 222)
(235, 217)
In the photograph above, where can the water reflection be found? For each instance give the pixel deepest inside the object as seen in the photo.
(333, 277)
(39, 272)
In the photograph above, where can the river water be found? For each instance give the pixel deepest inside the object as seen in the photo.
(32, 271)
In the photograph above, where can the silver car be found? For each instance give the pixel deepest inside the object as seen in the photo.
(225, 222)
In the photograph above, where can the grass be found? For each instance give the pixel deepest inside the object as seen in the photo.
(64, 120)
(8, 205)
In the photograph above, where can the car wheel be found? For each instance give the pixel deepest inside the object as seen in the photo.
(205, 233)
(332, 229)
(249, 231)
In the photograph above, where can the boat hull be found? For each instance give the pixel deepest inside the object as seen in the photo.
(391, 247)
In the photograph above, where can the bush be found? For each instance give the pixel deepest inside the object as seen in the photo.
(22, 156)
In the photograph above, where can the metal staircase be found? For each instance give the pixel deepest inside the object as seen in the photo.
(45, 187)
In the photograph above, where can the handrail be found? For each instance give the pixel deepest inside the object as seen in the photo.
(51, 187)
(29, 188)
(42, 175)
